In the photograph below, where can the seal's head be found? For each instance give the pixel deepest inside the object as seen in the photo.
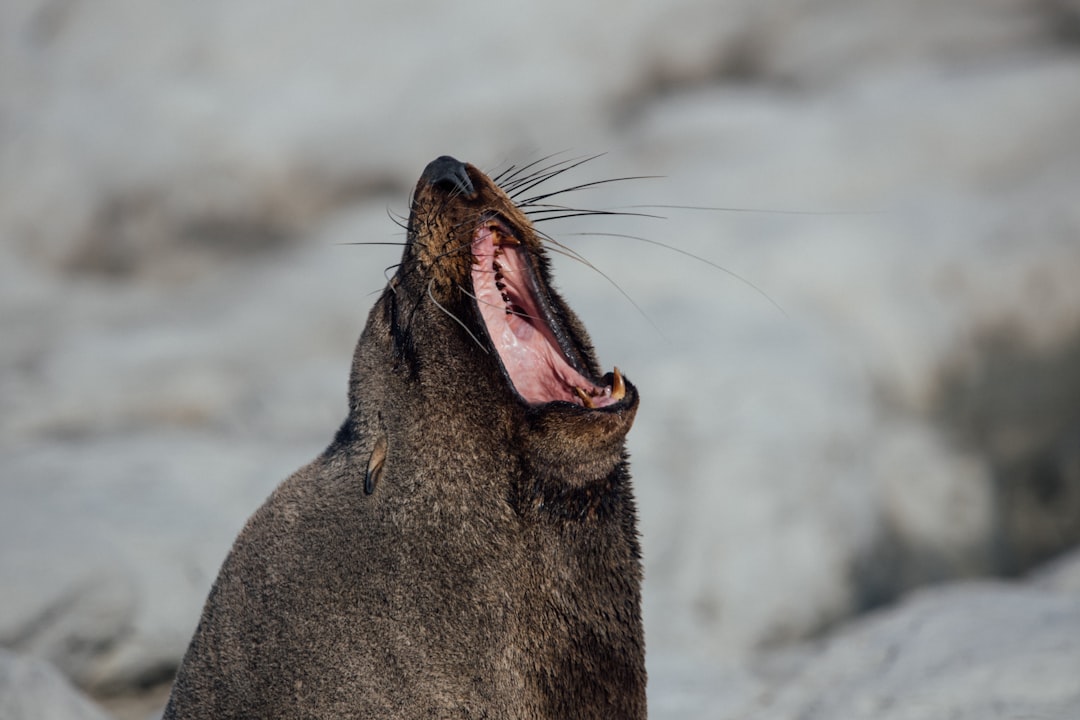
(475, 324)
(483, 253)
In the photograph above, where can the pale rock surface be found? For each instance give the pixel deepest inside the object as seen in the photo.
(31, 689)
(970, 650)
(179, 315)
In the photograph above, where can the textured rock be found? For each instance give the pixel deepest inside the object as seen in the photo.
(975, 651)
(104, 570)
(969, 650)
(178, 317)
(31, 689)
(872, 400)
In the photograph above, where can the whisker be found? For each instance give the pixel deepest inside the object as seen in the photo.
(511, 185)
(575, 255)
(531, 183)
(573, 212)
(399, 244)
(509, 310)
(504, 176)
(455, 318)
(400, 220)
(758, 211)
(389, 279)
(542, 208)
(689, 254)
(530, 201)
(412, 264)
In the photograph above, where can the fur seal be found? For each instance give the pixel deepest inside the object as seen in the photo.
(466, 547)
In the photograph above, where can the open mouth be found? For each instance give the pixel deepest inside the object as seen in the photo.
(522, 328)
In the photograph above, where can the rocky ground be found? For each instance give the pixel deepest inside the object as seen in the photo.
(867, 413)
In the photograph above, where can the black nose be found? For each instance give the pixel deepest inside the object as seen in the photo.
(449, 173)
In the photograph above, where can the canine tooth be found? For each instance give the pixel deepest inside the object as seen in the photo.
(498, 238)
(584, 396)
(618, 387)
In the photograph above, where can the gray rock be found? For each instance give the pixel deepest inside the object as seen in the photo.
(968, 650)
(974, 651)
(178, 317)
(1063, 574)
(105, 569)
(162, 157)
(871, 400)
(31, 689)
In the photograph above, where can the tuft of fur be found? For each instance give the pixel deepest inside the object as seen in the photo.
(454, 552)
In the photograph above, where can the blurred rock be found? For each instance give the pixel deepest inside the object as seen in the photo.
(1063, 574)
(972, 650)
(203, 131)
(110, 548)
(977, 650)
(871, 400)
(177, 184)
(31, 689)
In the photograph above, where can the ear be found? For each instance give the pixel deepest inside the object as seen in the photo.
(375, 464)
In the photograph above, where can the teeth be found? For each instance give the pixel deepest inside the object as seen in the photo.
(499, 238)
(618, 388)
(584, 397)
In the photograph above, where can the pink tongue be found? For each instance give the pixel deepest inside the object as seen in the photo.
(527, 346)
(535, 366)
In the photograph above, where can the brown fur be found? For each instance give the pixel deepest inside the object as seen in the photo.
(454, 553)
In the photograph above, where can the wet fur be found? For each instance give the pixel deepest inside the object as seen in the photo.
(453, 553)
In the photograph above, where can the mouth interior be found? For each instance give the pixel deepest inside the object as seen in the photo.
(520, 328)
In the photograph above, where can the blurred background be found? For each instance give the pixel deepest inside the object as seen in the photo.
(858, 451)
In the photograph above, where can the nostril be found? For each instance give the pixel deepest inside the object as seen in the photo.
(450, 173)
